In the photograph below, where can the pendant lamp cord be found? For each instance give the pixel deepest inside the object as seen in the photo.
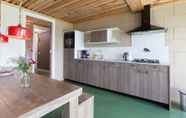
(20, 8)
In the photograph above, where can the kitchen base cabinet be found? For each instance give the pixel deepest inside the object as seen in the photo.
(145, 81)
(93, 74)
(68, 62)
(124, 78)
(114, 76)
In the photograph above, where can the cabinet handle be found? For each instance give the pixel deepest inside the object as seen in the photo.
(143, 72)
(146, 72)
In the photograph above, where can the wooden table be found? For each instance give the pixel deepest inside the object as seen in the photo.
(44, 96)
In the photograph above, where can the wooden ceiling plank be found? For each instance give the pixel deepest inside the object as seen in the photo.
(86, 13)
(93, 5)
(43, 5)
(135, 5)
(96, 12)
(61, 3)
(36, 3)
(85, 5)
(9, 1)
(29, 2)
(113, 12)
(71, 4)
(55, 4)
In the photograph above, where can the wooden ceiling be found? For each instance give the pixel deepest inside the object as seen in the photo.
(38, 22)
(76, 11)
(137, 5)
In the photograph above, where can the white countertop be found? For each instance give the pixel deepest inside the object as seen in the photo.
(121, 61)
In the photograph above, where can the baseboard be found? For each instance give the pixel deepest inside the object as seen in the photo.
(43, 70)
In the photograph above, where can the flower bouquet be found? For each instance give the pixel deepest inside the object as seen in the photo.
(23, 67)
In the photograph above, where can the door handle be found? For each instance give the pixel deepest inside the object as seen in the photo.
(50, 51)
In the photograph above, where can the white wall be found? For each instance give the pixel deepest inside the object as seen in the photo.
(155, 41)
(15, 48)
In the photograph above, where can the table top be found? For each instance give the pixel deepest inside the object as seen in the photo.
(40, 99)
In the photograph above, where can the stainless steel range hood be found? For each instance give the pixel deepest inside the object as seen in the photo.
(146, 22)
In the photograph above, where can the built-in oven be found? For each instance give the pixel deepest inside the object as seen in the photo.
(69, 39)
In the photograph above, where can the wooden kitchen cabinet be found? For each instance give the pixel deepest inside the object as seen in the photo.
(81, 71)
(114, 75)
(124, 78)
(68, 62)
(150, 82)
(134, 79)
(92, 80)
(141, 80)
(145, 82)
(160, 84)
(106, 76)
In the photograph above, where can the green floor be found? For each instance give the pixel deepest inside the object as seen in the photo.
(113, 105)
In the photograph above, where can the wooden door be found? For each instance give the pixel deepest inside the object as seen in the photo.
(44, 46)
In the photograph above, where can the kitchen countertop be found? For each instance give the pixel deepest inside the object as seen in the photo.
(122, 61)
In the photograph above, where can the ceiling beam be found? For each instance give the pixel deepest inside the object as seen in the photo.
(135, 5)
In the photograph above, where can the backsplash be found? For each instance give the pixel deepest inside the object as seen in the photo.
(154, 41)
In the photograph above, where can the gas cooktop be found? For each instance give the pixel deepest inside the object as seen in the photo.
(156, 61)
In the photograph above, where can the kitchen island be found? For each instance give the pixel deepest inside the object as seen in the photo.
(146, 81)
(44, 96)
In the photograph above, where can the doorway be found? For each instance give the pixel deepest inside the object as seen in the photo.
(39, 48)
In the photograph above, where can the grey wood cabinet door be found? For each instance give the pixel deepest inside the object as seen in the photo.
(84, 71)
(164, 85)
(124, 78)
(114, 76)
(106, 77)
(145, 82)
(134, 78)
(160, 84)
(68, 63)
(94, 73)
(102, 76)
(79, 70)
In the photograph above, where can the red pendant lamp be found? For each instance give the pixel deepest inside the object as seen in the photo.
(19, 32)
(3, 38)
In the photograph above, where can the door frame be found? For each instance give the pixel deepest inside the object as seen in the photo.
(52, 21)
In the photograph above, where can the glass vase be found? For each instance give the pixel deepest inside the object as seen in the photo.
(25, 80)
